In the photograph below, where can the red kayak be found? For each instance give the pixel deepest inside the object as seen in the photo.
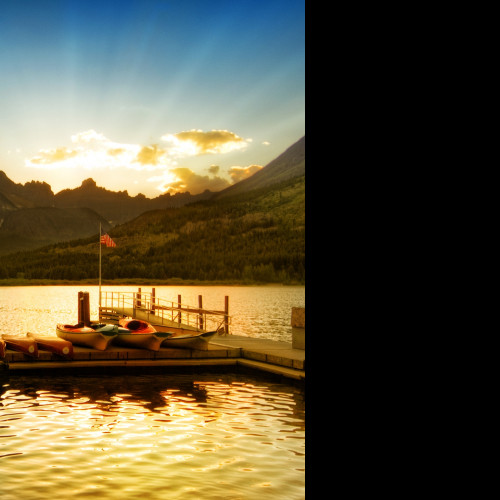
(139, 334)
(25, 345)
(53, 344)
(136, 325)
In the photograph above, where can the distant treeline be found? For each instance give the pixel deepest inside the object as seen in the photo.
(258, 237)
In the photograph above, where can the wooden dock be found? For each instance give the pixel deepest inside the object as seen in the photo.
(148, 307)
(223, 350)
(269, 356)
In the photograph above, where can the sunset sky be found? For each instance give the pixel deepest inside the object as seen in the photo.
(149, 96)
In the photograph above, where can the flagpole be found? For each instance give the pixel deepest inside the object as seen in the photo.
(100, 251)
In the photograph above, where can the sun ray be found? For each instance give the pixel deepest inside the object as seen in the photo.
(148, 76)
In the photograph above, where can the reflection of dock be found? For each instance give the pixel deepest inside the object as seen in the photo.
(223, 351)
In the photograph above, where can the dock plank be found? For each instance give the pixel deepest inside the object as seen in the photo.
(264, 350)
(224, 350)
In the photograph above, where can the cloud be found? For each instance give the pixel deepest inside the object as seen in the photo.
(239, 173)
(196, 142)
(92, 150)
(181, 179)
(116, 151)
(49, 156)
(89, 136)
(150, 155)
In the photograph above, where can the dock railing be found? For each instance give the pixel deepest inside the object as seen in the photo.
(160, 311)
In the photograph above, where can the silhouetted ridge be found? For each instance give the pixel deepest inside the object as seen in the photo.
(286, 166)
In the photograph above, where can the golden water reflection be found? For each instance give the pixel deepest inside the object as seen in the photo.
(183, 436)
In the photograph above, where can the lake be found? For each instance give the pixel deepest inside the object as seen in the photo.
(157, 436)
(256, 311)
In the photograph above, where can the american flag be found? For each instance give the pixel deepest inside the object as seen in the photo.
(105, 239)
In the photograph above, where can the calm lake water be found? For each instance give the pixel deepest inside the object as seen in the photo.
(156, 436)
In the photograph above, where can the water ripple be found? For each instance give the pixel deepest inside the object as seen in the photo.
(211, 436)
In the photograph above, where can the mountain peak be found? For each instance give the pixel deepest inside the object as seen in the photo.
(4, 180)
(89, 183)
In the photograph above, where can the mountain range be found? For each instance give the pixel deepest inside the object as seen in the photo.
(32, 216)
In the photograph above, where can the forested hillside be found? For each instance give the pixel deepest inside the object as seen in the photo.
(257, 237)
(31, 215)
(289, 164)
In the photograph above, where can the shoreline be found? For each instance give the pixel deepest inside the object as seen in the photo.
(135, 282)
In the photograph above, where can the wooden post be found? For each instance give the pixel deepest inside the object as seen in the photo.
(80, 307)
(84, 308)
(139, 298)
(86, 302)
(298, 328)
(153, 300)
(226, 317)
(179, 306)
(200, 316)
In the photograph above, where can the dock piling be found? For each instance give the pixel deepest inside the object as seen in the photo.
(226, 316)
(298, 323)
(200, 316)
(179, 305)
(84, 308)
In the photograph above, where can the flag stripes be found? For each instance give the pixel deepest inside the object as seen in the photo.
(106, 240)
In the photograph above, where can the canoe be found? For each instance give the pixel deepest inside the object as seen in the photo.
(139, 334)
(2, 348)
(188, 339)
(55, 345)
(26, 345)
(86, 336)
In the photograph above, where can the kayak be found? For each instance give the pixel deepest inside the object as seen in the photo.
(55, 345)
(97, 338)
(136, 325)
(26, 345)
(139, 334)
(189, 339)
